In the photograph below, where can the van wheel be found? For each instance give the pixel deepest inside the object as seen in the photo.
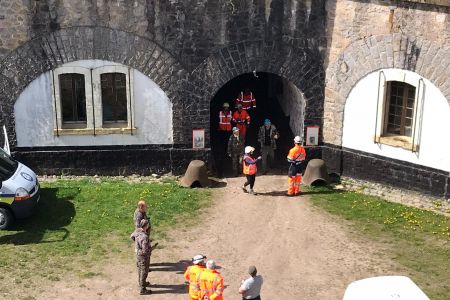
(6, 218)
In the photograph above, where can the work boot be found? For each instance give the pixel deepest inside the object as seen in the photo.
(144, 291)
(244, 189)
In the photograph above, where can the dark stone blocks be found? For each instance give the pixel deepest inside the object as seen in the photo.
(111, 161)
(366, 166)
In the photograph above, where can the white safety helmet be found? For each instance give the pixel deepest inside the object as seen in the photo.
(249, 149)
(210, 264)
(298, 140)
(198, 259)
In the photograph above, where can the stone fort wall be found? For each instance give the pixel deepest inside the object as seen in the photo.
(192, 48)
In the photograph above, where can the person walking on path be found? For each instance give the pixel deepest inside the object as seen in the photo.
(143, 251)
(242, 119)
(249, 169)
(210, 283)
(250, 288)
(192, 273)
(295, 157)
(235, 150)
(141, 214)
(267, 137)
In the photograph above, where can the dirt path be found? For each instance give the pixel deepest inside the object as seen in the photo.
(301, 252)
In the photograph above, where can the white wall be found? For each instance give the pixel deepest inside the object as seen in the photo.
(360, 113)
(35, 117)
(292, 103)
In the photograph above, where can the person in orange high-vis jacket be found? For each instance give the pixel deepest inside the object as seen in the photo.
(249, 169)
(295, 157)
(225, 117)
(210, 283)
(191, 276)
(242, 119)
(247, 100)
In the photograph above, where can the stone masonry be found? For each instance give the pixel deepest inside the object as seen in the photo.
(189, 48)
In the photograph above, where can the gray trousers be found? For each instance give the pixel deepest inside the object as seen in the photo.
(267, 154)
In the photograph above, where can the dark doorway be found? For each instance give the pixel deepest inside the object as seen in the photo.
(276, 99)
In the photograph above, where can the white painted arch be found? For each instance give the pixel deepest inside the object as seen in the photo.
(35, 117)
(360, 118)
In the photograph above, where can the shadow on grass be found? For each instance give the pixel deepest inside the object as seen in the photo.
(51, 215)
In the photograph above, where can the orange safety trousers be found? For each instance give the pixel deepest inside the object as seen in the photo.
(294, 184)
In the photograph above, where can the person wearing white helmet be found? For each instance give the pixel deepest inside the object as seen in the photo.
(296, 157)
(192, 275)
(249, 169)
(210, 282)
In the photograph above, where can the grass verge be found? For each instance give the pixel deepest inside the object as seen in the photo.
(80, 224)
(416, 239)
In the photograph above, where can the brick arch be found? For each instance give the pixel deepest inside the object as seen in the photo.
(373, 53)
(48, 51)
(299, 65)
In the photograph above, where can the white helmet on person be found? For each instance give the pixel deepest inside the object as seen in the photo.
(298, 140)
(198, 259)
(210, 264)
(249, 149)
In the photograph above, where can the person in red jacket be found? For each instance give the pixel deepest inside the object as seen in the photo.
(242, 119)
(246, 99)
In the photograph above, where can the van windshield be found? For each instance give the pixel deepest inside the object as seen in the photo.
(8, 165)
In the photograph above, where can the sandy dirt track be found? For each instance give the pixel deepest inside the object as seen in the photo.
(301, 252)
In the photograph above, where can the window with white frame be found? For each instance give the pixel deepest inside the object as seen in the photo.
(93, 101)
(399, 110)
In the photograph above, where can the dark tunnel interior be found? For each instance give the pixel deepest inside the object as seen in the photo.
(267, 88)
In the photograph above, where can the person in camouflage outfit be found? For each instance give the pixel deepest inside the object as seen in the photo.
(140, 214)
(236, 150)
(143, 251)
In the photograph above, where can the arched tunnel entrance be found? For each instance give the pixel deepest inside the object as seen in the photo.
(277, 99)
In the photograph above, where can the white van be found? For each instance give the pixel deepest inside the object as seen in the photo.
(19, 192)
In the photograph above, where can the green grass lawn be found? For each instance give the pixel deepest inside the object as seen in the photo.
(80, 223)
(418, 240)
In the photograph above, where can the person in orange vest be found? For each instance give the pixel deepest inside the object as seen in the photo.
(249, 169)
(191, 275)
(210, 283)
(246, 99)
(224, 132)
(296, 157)
(225, 117)
(242, 119)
